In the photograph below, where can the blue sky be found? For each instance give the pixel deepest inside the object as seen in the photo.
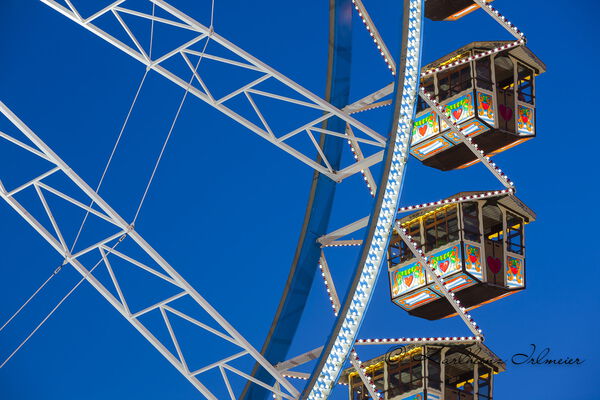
(226, 207)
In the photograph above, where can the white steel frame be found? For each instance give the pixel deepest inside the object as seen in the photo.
(345, 338)
(305, 98)
(106, 250)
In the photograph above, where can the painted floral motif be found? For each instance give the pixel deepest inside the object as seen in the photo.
(425, 127)
(459, 110)
(473, 260)
(525, 121)
(447, 261)
(515, 272)
(485, 107)
(407, 278)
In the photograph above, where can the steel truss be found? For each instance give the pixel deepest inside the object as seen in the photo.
(303, 97)
(380, 224)
(107, 254)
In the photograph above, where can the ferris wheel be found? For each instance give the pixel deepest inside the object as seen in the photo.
(458, 111)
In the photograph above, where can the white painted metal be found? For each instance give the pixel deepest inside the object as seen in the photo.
(419, 341)
(305, 98)
(340, 243)
(168, 274)
(346, 230)
(500, 18)
(363, 377)
(297, 375)
(299, 360)
(370, 99)
(374, 32)
(329, 283)
(359, 156)
(364, 104)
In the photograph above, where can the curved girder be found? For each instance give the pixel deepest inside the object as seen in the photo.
(343, 336)
(320, 202)
(269, 83)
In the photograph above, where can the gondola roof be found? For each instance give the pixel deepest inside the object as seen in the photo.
(508, 200)
(521, 52)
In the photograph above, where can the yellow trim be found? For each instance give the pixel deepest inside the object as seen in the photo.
(455, 58)
(471, 381)
(405, 224)
(495, 235)
(369, 369)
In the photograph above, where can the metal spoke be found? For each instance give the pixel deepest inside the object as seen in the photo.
(305, 98)
(119, 303)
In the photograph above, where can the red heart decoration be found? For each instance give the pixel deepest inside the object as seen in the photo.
(514, 270)
(485, 106)
(525, 118)
(444, 265)
(423, 129)
(408, 280)
(457, 113)
(505, 112)
(494, 264)
(473, 258)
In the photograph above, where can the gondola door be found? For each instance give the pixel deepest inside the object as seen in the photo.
(525, 105)
(504, 70)
(493, 228)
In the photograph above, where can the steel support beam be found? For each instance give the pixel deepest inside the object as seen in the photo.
(126, 231)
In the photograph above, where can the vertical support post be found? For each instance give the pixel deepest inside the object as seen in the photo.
(483, 242)
(424, 370)
(386, 377)
(365, 380)
(476, 381)
(443, 372)
(504, 246)
(495, 90)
